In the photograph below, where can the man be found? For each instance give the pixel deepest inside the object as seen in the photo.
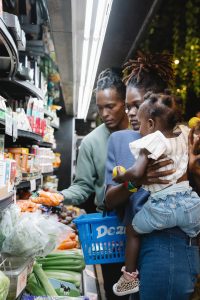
(90, 169)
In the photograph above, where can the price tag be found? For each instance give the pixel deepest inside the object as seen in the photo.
(15, 130)
(8, 124)
(21, 282)
(33, 185)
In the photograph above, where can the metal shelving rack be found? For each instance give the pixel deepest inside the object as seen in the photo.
(6, 200)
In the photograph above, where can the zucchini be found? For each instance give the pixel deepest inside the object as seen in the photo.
(69, 276)
(35, 290)
(44, 282)
(76, 268)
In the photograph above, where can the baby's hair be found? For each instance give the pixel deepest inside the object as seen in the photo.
(161, 106)
(151, 72)
(111, 78)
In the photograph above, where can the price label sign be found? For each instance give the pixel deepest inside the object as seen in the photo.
(8, 124)
(21, 282)
(33, 185)
(15, 130)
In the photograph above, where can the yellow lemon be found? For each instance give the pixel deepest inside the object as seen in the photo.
(114, 172)
(193, 122)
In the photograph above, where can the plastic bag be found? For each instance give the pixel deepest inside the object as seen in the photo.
(31, 234)
(8, 218)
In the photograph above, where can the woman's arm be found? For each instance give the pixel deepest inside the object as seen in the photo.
(194, 160)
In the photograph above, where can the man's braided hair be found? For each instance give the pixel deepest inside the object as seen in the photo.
(111, 78)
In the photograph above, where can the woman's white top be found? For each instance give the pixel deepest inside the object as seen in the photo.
(175, 148)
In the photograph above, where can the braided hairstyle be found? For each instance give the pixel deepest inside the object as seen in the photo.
(161, 106)
(111, 78)
(151, 72)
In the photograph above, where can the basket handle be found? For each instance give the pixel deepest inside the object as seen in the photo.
(108, 213)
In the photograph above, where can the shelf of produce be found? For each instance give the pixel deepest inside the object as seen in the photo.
(90, 283)
(19, 88)
(27, 183)
(11, 48)
(6, 200)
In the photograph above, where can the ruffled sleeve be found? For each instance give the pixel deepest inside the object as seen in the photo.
(155, 143)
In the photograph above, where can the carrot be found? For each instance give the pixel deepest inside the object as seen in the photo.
(67, 245)
(72, 235)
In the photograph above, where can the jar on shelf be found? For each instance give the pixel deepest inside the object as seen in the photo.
(57, 160)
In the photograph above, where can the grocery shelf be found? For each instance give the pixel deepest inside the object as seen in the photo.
(7, 200)
(47, 173)
(55, 169)
(48, 114)
(45, 144)
(19, 88)
(27, 183)
(54, 126)
(11, 48)
(29, 135)
(2, 122)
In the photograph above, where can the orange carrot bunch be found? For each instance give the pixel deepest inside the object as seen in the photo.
(47, 198)
(70, 242)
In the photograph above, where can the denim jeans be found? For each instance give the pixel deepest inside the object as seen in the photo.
(168, 266)
(176, 205)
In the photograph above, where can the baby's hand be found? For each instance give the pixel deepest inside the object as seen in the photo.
(118, 174)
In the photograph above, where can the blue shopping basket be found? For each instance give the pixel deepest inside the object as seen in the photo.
(102, 238)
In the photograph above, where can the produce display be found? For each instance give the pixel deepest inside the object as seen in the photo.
(57, 274)
(27, 206)
(47, 198)
(38, 283)
(70, 242)
(29, 234)
(34, 227)
(71, 260)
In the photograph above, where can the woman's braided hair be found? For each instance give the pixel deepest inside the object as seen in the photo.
(149, 71)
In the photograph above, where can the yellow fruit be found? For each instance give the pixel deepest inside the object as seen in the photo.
(193, 122)
(114, 172)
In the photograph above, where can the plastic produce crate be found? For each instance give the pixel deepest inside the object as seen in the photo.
(102, 238)
(17, 269)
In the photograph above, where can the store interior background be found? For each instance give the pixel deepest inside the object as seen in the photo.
(150, 25)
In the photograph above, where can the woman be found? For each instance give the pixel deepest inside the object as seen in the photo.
(168, 259)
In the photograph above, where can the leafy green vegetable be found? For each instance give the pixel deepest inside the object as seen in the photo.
(4, 286)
